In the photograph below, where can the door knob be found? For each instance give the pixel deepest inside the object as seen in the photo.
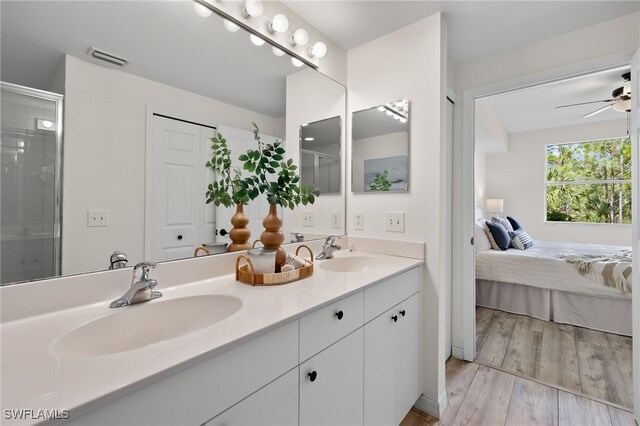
(223, 232)
(312, 376)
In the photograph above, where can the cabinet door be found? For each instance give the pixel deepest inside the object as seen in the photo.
(333, 395)
(380, 370)
(407, 355)
(274, 405)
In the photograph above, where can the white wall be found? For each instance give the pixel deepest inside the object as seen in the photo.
(104, 156)
(577, 49)
(411, 64)
(312, 97)
(391, 145)
(518, 176)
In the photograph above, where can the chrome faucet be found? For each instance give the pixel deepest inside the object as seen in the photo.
(329, 248)
(141, 287)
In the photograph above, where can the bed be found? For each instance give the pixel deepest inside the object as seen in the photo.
(540, 283)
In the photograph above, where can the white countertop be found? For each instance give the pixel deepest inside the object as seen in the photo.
(34, 378)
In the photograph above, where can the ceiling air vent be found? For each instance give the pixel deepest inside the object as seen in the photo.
(107, 57)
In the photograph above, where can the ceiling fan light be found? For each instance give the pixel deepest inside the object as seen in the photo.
(622, 106)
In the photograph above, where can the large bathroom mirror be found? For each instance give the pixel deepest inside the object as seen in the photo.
(380, 148)
(184, 79)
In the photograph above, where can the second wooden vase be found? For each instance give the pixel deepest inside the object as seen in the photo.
(272, 237)
(239, 234)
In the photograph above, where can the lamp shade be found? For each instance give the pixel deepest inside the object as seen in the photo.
(495, 205)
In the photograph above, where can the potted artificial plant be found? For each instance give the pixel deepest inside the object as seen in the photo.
(230, 189)
(277, 179)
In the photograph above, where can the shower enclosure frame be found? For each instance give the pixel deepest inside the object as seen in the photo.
(58, 162)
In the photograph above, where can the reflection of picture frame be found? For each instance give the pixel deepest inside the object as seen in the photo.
(396, 166)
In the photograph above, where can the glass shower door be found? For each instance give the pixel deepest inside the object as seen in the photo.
(30, 159)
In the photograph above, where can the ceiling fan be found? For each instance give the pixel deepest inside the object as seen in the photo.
(620, 99)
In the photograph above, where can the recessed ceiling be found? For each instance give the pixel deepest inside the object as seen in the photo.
(166, 41)
(534, 108)
(476, 28)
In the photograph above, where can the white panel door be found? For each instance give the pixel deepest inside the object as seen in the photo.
(176, 189)
(407, 346)
(380, 371)
(635, 141)
(334, 395)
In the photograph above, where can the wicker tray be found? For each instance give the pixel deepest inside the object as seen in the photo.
(245, 274)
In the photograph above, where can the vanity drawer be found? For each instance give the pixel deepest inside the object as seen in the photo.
(327, 325)
(388, 293)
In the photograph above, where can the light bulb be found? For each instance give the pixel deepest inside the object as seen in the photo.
(256, 40)
(395, 117)
(309, 139)
(202, 10)
(277, 51)
(381, 109)
(297, 62)
(388, 112)
(48, 124)
(403, 120)
(231, 26)
(252, 9)
(318, 50)
(300, 37)
(278, 24)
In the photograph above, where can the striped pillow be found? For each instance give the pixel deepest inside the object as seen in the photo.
(521, 240)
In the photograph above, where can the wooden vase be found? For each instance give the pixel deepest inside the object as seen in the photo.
(239, 234)
(272, 238)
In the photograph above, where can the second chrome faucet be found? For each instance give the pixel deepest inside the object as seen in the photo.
(141, 287)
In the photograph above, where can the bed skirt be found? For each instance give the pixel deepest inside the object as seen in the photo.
(602, 313)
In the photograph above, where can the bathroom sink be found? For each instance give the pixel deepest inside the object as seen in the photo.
(136, 326)
(350, 264)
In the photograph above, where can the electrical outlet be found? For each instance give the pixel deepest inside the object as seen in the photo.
(335, 220)
(394, 221)
(308, 218)
(97, 218)
(358, 221)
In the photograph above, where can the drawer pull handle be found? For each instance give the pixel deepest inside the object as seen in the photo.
(312, 376)
(339, 314)
(403, 312)
(394, 318)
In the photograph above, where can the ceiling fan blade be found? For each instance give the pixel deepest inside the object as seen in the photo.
(585, 103)
(598, 111)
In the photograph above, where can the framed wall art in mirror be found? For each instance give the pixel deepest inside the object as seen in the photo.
(380, 148)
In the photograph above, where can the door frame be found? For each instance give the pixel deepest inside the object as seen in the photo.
(469, 97)
(152, 110)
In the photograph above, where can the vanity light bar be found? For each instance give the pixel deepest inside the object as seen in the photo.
(320, 48)
(107, 57)
(391, 112)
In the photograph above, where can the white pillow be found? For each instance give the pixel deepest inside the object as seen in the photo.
(480, 239)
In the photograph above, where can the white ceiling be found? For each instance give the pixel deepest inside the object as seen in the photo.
(534, 108)
(476, 28)
(166, 41)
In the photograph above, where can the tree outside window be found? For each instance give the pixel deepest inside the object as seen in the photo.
(589, 181)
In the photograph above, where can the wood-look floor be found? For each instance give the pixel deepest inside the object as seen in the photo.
(485, 396)
(575, 359)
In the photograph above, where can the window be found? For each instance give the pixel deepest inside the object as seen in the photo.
(589, 181)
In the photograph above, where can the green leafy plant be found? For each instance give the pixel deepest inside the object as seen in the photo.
(381, 182)
(229, 188)
(273, 176)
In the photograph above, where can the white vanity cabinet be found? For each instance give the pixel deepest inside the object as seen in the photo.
(392, 360)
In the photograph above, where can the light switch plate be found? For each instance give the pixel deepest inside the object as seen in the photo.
(335, 220)
(97, 218)
(308, 218)
(394, 221)
(358, 221)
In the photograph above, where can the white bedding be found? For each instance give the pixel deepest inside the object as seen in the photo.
(540, 267)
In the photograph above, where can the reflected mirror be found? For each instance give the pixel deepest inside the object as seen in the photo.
(129, 172)
(320, 157)
(380, 148)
